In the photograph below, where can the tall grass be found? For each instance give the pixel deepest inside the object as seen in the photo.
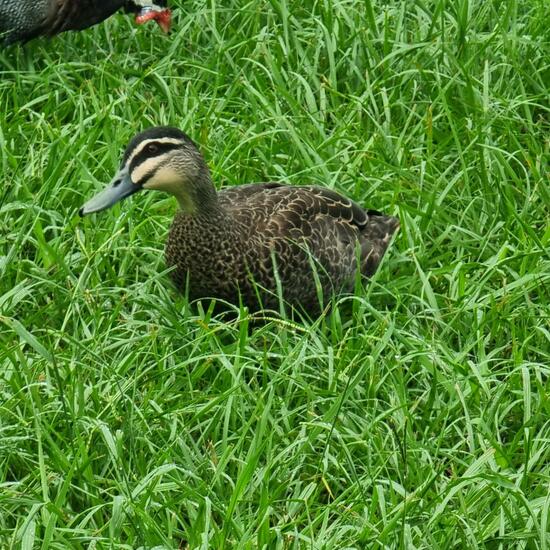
(417, 418)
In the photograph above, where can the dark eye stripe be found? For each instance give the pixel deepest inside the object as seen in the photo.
(161, 148)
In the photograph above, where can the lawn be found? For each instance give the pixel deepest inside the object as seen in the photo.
(414, 414)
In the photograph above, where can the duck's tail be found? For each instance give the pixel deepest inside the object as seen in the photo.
(375, 239)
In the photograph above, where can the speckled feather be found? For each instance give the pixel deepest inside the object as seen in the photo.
(299, 229)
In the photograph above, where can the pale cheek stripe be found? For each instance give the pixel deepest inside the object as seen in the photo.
(148, 166)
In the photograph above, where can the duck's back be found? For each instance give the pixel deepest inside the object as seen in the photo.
(304, 239)
(336, 230)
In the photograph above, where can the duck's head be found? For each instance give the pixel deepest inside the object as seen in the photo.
(151, 10)
(162, 159)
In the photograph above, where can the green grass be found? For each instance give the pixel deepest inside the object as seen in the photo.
(417, 418)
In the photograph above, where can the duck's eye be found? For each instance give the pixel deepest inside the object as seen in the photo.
(152, 148)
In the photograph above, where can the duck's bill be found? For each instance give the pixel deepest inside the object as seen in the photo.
(120, 187)
(163, 17)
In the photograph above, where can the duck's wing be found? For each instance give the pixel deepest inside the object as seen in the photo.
(330, 224)
(278, 201)
(339, 225)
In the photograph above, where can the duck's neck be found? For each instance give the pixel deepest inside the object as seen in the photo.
(199, 198)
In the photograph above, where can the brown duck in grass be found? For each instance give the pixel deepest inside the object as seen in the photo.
(250, 243)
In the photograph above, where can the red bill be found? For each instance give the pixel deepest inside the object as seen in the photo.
(163, 17)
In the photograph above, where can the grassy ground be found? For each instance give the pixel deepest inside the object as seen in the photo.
(419, 419)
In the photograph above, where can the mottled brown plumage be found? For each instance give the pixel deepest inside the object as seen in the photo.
(246, 242)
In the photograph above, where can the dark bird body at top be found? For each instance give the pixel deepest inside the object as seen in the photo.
(22, 20)
(252, 242)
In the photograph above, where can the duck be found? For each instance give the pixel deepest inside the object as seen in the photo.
(250, 244)
(22, 20)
